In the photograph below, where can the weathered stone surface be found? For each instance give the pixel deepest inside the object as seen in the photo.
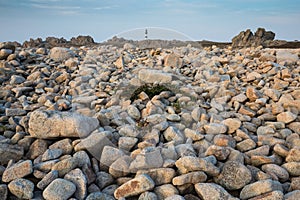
(77, 177)
(10, 152)
(192, 177)
(260, 187)
(148, 159)
(274, 195)
(65, 166)
(232, 124)
(60, 54)
(37, 148)
(154, 76)
(234, 175)
(138, 185)
(212, 191)
(3, 191)
(280, 172)
(292, 195)
(293, 168)
(120, 167)
(110, 155)
(18, 170)
(159, 175)
(173, 60)
(47, 179)
(286, 117)
(21, 188)
(165, 191)
(52, 124)
(59, 189)
(214, 128)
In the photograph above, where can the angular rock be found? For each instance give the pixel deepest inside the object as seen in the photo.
(212, 191)
(65, 166)
(234, 176)
(165, 191)
(37, 148)
(77, 177)
(104, 179)
(136, 186)
(52, 124)
(3, 191)
(286, 117)
(110, 155)
(147, 160)
(18, 170)
(21, 188)
(259, 188)
(214, 128)
(159, 175)
(192, 177)
(10, 152)
(120, 167)
(232, 123)
(59, 189)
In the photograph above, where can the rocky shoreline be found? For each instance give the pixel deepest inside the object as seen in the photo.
(107, 122)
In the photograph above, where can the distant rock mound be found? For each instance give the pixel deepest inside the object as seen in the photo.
(248, 39)
(51, 42)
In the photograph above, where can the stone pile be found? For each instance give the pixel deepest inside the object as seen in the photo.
(78, 123)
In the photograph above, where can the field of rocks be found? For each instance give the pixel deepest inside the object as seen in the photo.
(106, 122)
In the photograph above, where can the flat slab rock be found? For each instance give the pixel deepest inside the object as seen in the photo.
(53, 124)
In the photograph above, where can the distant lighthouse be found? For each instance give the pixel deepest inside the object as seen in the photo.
(146, 34)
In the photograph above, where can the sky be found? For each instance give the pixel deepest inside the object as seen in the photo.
(215, 20)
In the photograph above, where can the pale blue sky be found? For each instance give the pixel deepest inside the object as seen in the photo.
(217, 20)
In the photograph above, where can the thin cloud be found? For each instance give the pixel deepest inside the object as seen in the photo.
(55, 7)
(105, 7)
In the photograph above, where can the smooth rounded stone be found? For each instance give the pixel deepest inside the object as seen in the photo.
(65, 166)
(150, 158)
(86, 100)
(51, 154)
(196, 113)
(148, 196)
(212, 191)
(265, 130)
(175, 197)
(18, 170)
(159, 175)
(135, 186)
(292, 167)
(233, 124)
(173, 117)
(287, 57)
(53, 124)
(214, 128)
(133, 112)
(260, 151)
(280, 172)
(3, 191)
(259, 188)
(104, 179)
(274, 195)
(10, 152)
(165, 191)
(21, 188)
(41, 51)
(37, 148)
(192, 177)
(4, 53)
(110, 189)
(47, 179)
(190, 164)
(154, 76)
(120, 167)
(224, 141)
(59, 54)
(77, 177)
(295, 183)
(234, 175)
(65, 145)
(281, 150)
(174, 134)
(293, 155)
(16, 79)
(59, 189)
(126, 143)
(193, 134)
(246, 145)
(110, 155)
(286, 117)
(99, 196)
(294, 195)
(221, 153)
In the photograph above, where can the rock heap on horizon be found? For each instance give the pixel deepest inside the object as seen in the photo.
(203, 123)
(248, 39)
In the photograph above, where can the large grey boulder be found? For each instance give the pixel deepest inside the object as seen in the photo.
(53, 124)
